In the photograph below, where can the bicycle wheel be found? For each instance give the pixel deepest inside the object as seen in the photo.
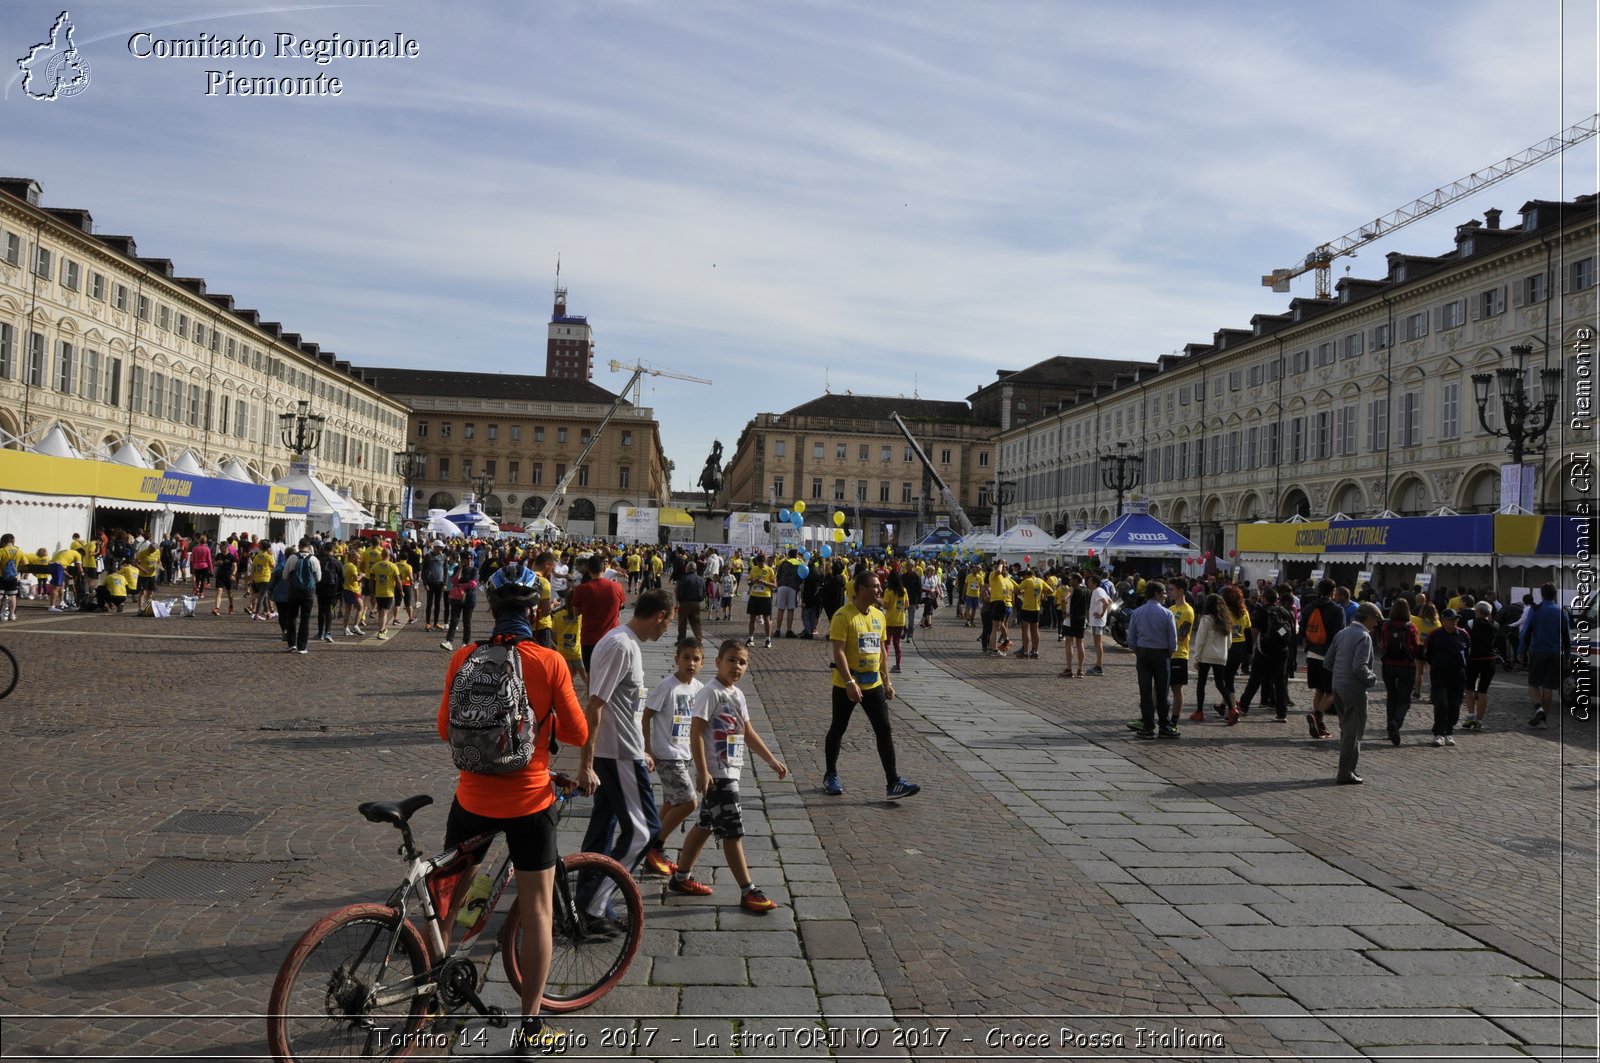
(323, 1001)
(583, 967)
(9, 672)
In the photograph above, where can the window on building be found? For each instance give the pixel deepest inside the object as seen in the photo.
(1301, 361)
(444, 468)
(864, 452)
(1492, 302)
(1453, 314)
(89, 382)
(97, 286)
(194, 405)
(1417, 325)
(624, 476)
(883, 490)
(538, 433)
(469, 430)
(780, 447)
(1410, 419)
(516, 433)
(494, 432)
(838, 490)
(816, 487)
(466, 468)
(1257, 373)
(489, 467)
(1378, 425)
(1449, 410)
(1235, 379)
(136, 390)
(120, 297)
(1297, 439)
(144, 308)
(1536, 288)
(1352, 345)
(840, 450)
(1322, 444)
(886, 454)
(561, 435)
(1581, 274)
(910, 455)
(11, 249)
(182, 327)
(1345, 431)
(66, 366)
(36, 367)
(584, 435)
(422, 429)
(536, 473)
(222, 414)
(446, 429)
(8, 351)
(627, 438)
(905, 493)
(164, 317)
(42, 262)
(175, 397)
(983, 459)
(777, 486)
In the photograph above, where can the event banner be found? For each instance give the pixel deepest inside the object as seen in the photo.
(637, 524)
(46, 475)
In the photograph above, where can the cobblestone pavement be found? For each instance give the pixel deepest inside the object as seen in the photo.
(1050, 868)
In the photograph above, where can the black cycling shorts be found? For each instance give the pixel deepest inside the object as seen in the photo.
(531, 839)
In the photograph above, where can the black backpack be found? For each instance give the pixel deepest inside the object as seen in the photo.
(332, 575)
(1276, 629)
(1394, 641)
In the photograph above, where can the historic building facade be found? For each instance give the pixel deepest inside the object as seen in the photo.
(844, 452)
(1358, 404)
(110, 346)
(523, 433)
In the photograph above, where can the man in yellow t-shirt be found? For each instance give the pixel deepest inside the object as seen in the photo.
(407, 593)
(856, 635)
(1029, 594)
(352, 596)
(736, 566)
(763, 580)
(66, 567)
(1001, 590)
(971, 595)
(12, 563)
(1183, 616)
(149, 561)
(114, 588)
(633, 570)
(385, 576)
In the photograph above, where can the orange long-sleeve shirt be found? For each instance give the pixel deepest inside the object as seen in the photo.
(522, 793)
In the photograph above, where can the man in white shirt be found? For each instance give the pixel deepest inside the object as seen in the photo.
(1099, 616)
(614, 765)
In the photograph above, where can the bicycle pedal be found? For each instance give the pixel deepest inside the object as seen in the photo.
(497, 1017)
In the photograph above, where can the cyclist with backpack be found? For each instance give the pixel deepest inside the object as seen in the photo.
(506, 702)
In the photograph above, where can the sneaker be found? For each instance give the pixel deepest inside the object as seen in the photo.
(1142, 733)
(1538, 718)
(1233, 716)
(832, 786)
(1280, 719)
(327, 638)
(658, 863)
(1168, 732)
(1449, 740)
(446, 645)
(302, 651)
(1197, 716)
(681, 883)
(789, 634)
(1312, 725)
(602, 926)
(383, 636)
(767, 644)
(901, 788)
(894, 670)
(1438, 740)
(750, 641)
(1394, 735)
(754, 900)
(359, 631)
(531, 1041)
(1324, 734)
(1095, 670)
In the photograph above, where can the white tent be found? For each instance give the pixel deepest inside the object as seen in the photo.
(541, 528)
(233, 470)
(187, 462)
(1023, 540)
(468, 519)
(1069, 545)
(982, 542)
(56, 444)
(326, 506)
(129, 453)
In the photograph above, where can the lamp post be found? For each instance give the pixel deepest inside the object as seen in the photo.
(1005, 493)
(1121, 472)
(482, 483)
(1526, 422)
(301, 430)
(408, 466)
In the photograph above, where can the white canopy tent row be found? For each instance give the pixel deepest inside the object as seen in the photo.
(1021, 542)
(327, 509)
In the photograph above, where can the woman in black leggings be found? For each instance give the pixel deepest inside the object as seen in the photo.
(466, 578)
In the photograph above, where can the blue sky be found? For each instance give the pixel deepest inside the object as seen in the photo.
(891, 196)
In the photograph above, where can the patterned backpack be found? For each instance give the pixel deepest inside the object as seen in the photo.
(492, 728)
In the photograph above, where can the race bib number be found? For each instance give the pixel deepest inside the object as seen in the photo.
(682, 720)
(869, 644)
(735, 750)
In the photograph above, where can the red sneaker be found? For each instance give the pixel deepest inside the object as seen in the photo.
(756, 901)
(658, 863)
(689, 886)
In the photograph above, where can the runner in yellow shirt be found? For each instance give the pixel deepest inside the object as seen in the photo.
(66, 568)
(149, 560)
(736, 566)
(115, 585)
(763, 580)
(971, 596)
(385, 576)
(856, 635)
(12, 563)
(633, 570)
(1030, 594)
(407, 593)
(896, 603)
(352, 597)
(1002, 588)
(1183, 616)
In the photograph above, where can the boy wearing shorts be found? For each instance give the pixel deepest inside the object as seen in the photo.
(718, 735)
(667, 722)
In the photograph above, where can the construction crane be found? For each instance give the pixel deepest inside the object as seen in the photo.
(639, 370)
(947, 496)
(1321, 259)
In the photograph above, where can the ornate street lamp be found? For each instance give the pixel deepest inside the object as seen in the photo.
(1005, 493)
(1121, 472)
(483, 483)
(301, 430)
(408, 466)
(1526, 422)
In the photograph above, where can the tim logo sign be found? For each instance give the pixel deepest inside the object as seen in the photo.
(54, 69)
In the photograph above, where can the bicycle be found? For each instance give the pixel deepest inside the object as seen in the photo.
(365, 982)
(10, 672)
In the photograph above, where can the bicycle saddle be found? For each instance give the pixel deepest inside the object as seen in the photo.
(396, 812)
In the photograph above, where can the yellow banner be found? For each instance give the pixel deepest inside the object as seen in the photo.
(1307, 538)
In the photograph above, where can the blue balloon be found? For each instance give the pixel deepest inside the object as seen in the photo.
(783, 515)
(803, 571)
(797, 519)
(827, 550)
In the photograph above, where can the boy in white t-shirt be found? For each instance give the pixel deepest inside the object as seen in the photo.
(720, 731)
(728, 584)
(667, 723)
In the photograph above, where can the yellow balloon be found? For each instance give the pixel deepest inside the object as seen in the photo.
(838, 518)
(799, 507)
(838, 535)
